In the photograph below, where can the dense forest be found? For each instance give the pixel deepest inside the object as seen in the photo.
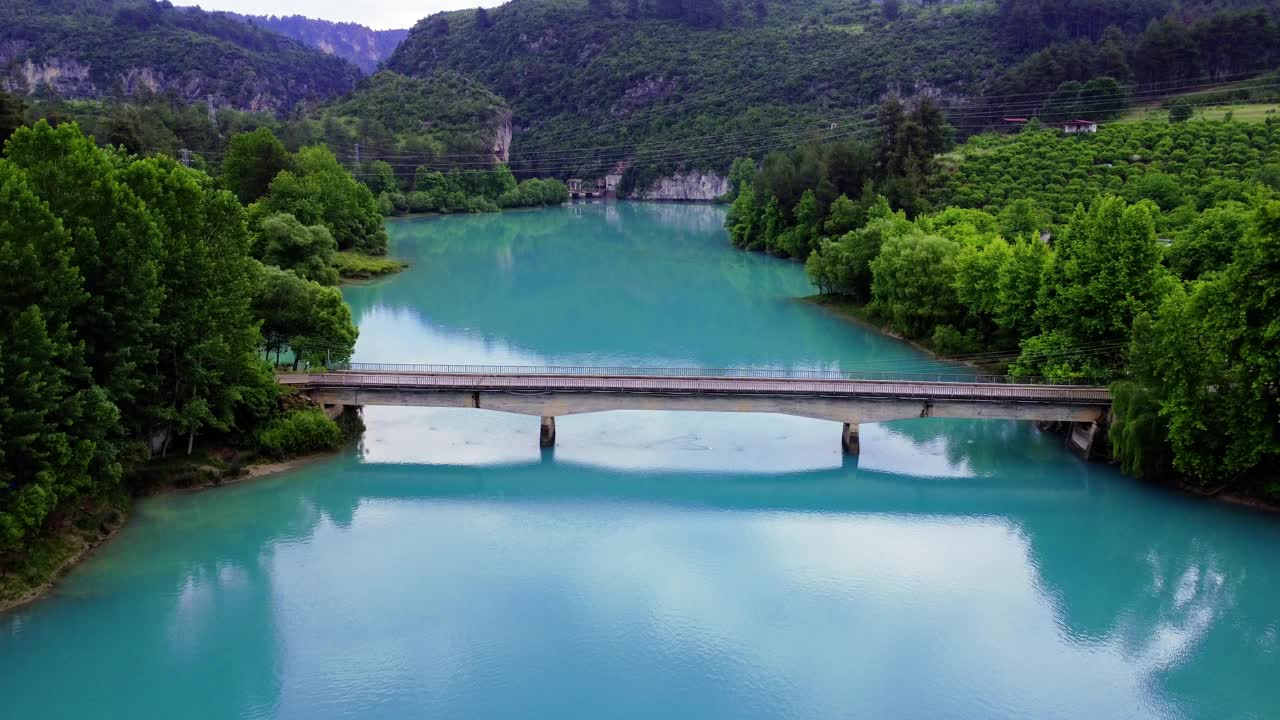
(392, 132)
(143, 305)
(361, 46)
(78, 49)
(653, 87)
(1144, 256)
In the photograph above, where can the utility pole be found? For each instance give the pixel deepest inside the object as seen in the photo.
(184, 157)
(357, 154)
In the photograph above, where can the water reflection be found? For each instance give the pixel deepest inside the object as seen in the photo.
(685, 565)
(800, 594)
(656, 287)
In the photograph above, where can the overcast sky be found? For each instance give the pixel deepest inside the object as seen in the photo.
(380, 15)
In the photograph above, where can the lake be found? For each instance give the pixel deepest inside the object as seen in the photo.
(655, 564)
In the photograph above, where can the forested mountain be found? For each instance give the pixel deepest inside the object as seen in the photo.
(126, 48)
(693, 82)
(362, 46)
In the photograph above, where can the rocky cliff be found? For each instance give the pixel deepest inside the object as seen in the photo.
(689, 185)
(502, 132)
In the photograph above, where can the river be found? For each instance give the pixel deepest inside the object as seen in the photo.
(655, 565)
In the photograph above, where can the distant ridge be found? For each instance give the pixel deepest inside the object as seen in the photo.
(362, 46)
(89, 49)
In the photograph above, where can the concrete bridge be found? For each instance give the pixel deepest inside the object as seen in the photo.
(849, 398)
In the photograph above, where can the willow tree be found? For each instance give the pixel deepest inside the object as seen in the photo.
(1212, 356)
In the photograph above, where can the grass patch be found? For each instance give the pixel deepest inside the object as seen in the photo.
(358, 266)
(1243, 112)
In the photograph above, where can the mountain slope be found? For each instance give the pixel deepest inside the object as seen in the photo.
(578, 78)
(94, 48)
(602, 84)
(362, 46)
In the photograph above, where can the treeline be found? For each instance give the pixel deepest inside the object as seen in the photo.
(462, 190)
(134, 317)
(1067, 279)
(800, 196)
(1144, 42)
(382, 119)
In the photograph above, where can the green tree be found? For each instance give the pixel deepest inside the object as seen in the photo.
(56, 426)
(913, 283)
(1105, 271)
(1019, 286)
(1180, 112)
(1161, 189)
(804, 233)
(772, 223)
(205, 339)
(282, 241)
(379, 176)
(844, 216)
(115, 246)
(1214, 355)
(1021, 219)
(1210, 242)
(322, 192)
(741, 220)
(978, 270)
(10, 116)
(844, 267)
(303, 318)
(252, 161)
(742, 171)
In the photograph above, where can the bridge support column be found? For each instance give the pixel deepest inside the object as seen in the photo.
(547, 437)
(849, 438)
(1087, 439)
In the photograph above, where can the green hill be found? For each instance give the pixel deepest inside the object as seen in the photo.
(580, 76)
(81, 49)
(600, 84)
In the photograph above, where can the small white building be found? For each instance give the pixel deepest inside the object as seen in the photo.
(1071, 127)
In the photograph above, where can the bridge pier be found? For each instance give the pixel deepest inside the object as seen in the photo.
(547, 436)
(1087, 439)
(849, 438)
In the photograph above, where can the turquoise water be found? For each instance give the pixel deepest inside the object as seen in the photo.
(655, 564)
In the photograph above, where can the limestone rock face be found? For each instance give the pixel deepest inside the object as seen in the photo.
(688, 185)
(502, 137)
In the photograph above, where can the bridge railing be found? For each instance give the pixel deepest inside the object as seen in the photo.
(762, 373)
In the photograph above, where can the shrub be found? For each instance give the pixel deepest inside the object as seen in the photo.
(357, 266)
(299, 432)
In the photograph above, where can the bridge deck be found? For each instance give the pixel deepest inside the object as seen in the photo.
(552, 383)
